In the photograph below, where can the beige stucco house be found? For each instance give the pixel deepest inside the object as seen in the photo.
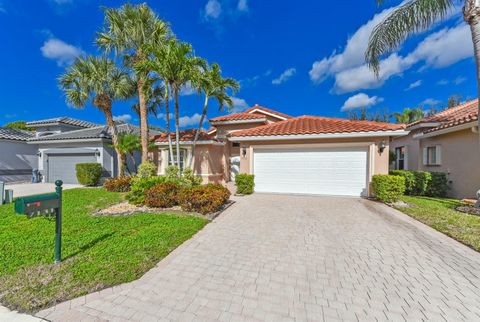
(306, 154)
(447, 142)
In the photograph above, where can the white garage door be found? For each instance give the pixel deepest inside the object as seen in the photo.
(322, 171)
(63, 166)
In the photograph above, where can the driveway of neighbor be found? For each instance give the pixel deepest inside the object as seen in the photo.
(27, 189)
(296, 258)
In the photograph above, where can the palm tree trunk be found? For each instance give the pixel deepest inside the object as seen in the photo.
(197, 133)
(471, 14)
(135, 168)
(144, 137)
(177, 127)
(113, 130)
(167, 121)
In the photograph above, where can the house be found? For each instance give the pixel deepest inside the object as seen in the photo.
(17, 159)
(63, 142)
(306, 154)
(445, 142)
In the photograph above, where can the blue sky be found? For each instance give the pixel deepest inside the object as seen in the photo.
(299, 58)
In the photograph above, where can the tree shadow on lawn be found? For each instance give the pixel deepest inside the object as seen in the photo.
(89, 245)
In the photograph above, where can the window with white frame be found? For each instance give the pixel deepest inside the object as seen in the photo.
(432, 155)
(183, 158)
(400, 158)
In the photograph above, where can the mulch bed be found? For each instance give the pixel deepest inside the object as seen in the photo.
(469, 210)
(126, 209)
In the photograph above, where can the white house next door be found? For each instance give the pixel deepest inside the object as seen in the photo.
(319, 171)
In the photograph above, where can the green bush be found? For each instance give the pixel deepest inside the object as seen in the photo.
(173, 172)
(162, 195)
(120, 184)
(422, 180)
(136, 196)
(203, 199)
(438, 186)
(245, 183)
(409, 180)
(388, 188)
(89, 174)
(147, 170)
(190, 179)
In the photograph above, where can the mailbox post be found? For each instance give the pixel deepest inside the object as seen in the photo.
(49, 204)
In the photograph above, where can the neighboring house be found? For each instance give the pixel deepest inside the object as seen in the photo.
(17, 159)
(446, 142)
(306, 155)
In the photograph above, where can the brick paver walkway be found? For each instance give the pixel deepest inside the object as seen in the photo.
(294, 258)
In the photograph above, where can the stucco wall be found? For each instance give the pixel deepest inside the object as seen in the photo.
(17, 159)
(412, 148)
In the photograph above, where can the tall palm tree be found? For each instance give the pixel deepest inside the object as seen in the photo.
(131, 31)
(99, 81)
(415, 16)
(211, 83)
(128, 144)
(408, 115)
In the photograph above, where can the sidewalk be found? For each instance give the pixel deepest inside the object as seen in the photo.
(14, 316)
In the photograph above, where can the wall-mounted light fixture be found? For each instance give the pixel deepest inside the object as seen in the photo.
(381, 146)
(244, 151)
(97, 152)
(39, 154)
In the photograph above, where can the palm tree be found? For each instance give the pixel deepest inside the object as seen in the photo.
(154, 96)
(127, 144)
(100, 81)
(408, 115)
(415, 16)
(131, 31)
(212, 84)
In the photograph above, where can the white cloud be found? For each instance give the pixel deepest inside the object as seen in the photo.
(239, 105)
(60, 51)
(284, 76)
(459, 80)
(187, 89)
(213, 9)
(360, 100)
(443, 82)
(414, 85)
(185, 121)
(123, 118)
(2, 8)
(430, 101)
(242, 5)
(60, 2)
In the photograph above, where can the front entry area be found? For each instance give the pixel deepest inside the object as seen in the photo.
(320, 171)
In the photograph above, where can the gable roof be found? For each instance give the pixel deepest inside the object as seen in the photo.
(185, 136)
(99, 132)
(15, 134)
(256, 113)
(461, 114)
(62, 120)
(305, 125)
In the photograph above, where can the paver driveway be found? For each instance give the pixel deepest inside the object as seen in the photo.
(295, 258)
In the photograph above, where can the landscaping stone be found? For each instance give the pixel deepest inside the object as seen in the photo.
(469, 210)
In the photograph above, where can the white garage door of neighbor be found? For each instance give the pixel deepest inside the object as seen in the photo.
(321, 171)
(63, 166)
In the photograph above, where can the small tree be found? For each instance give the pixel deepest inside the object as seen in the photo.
(19, 125)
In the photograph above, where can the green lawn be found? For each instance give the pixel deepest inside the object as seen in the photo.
(98, 252)
(439, 213)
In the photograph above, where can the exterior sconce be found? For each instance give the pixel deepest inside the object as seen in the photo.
(381, 147)
(39, 154)
(244, 152)
(97, 152)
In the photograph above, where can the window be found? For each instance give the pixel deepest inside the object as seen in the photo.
(400, 158)
(235, 144)
(183, 156)
(432, 155)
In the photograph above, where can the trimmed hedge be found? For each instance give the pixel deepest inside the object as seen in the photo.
(147, 170)
(388, 188)
(422, 183)
(245, 183)
(162, 195)
(136, 196)
(88, 174)
(120, 184)
(203, 199)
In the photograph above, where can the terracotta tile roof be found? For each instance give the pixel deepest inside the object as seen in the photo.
(253, 113)
(317, 125)
(185, 135)
(461, 114)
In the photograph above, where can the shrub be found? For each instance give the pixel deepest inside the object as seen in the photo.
(388, 188)
(89, 174)
(245, 183)
(190, 179)
(162, 195)
(409, 180)
(173, 172)
(438, 185)
(147, 170)
(422, 180)
(120, 184)
(136, 195)
(204, 199)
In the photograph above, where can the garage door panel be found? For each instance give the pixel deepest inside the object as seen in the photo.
(63, 166)
(311, 171)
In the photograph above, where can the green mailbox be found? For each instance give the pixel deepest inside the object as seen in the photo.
(47, 205)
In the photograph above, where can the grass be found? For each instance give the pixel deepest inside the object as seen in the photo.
(440, 214)
(98, 252)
